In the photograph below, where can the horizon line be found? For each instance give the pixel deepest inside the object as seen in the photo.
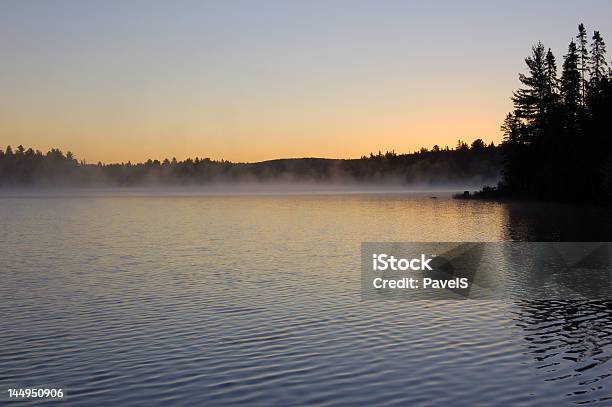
(460, 144)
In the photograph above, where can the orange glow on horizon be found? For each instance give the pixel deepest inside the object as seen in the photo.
(347, 132)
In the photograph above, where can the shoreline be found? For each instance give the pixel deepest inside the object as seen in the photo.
(492, 195)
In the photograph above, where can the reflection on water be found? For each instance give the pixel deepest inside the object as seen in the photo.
(545, 222)
(216, 300)
(570, 342)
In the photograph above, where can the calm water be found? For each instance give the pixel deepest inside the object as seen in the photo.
(217, 300)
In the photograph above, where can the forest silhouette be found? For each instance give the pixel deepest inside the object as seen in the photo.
(476, 163)
(557, 146)
(558, 140)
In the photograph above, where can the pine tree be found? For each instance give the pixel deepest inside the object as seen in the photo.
(514, 155)
(570, 81)
(530, 102)
(510, 128)
(598, 59)
(551, 78)
(583, 61)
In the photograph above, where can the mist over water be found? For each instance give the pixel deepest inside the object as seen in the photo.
(184, 297)
(464, 165)
(244, 188)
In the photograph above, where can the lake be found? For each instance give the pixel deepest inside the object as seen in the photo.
(219, 299)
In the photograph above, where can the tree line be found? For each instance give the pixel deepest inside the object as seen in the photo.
(558, 139)
(476, 163)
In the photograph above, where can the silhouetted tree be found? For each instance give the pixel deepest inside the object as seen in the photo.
(514, 150)
(598, 59)
(462, 145)
(570, 83)
(558, 138)
(552, 91)
(583, 61)
(478, 144)
(530, 101)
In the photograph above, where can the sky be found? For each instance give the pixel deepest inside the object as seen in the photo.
(118, 81)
